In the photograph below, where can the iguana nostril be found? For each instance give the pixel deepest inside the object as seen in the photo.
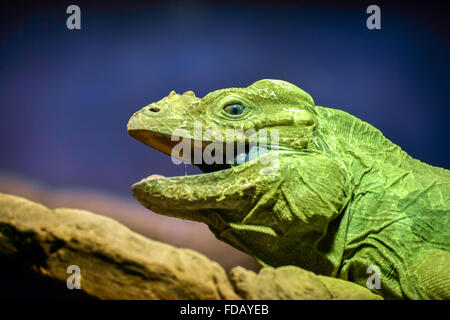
(154, 109)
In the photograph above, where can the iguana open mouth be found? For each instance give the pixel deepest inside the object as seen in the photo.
(216, 160)
(249, 153)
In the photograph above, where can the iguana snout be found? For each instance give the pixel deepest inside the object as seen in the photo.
(153, 124)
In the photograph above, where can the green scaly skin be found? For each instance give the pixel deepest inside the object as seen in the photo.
(342, 198)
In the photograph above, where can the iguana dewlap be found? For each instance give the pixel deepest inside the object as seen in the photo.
(341, 197)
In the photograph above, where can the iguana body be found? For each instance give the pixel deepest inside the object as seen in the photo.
(342, 198)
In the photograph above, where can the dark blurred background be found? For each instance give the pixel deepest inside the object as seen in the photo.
(66, 96)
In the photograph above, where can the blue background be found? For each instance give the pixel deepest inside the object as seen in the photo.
(66, 96)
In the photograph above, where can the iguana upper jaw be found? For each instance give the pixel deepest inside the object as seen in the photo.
(156, 140)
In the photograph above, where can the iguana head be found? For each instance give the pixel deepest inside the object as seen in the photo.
(276, 200)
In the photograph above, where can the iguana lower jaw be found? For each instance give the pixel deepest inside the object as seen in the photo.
(207, 190)
(216, 198)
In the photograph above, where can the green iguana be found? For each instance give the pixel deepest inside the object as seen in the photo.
(342, 197)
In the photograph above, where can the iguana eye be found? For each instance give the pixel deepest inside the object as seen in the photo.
(234, 109)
